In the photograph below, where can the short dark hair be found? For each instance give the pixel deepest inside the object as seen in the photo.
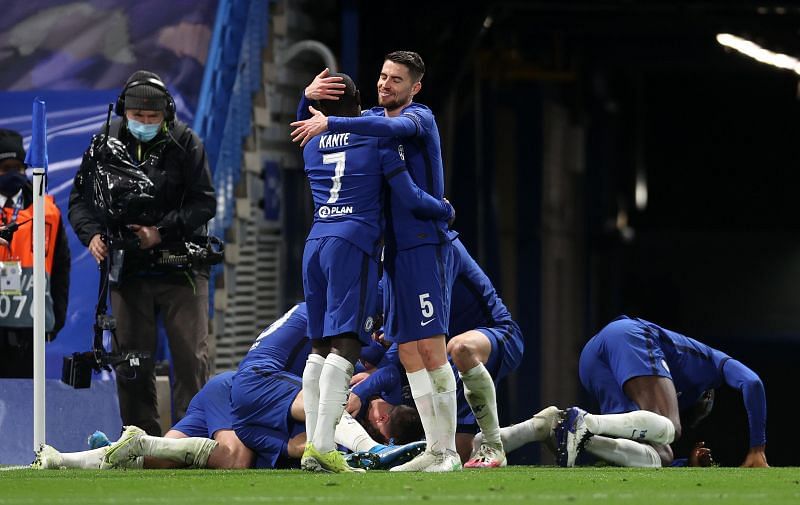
(405, 425)
(412, 60)
(348, 104)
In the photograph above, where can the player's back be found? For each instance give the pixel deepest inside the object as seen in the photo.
(474, 302)
(346, 178)
(694, 366)
(422, 153)
(282, 346)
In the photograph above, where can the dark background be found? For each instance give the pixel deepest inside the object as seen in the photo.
(715, 254)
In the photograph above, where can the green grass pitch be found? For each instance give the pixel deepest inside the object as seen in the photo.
(517, 484)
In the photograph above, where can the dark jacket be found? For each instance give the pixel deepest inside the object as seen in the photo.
(183, 187)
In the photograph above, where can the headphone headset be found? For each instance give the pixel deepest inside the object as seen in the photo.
(169, 109)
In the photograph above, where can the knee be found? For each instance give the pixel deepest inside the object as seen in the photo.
(461, 351)
(243, 458)
(232, 455)
(671, 432)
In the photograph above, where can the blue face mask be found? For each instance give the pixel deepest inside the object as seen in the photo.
(143, 132)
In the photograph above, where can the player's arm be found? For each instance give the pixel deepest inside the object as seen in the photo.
(421, 204)
(405, 125)
(411, 196)
(383, 382)
(740, 377)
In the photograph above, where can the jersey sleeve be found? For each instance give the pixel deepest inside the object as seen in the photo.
(384, 382)
(302, 107)
(738, 376)
(375, 126)
(411, 196)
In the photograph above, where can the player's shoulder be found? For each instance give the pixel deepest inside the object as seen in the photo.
(418, 110)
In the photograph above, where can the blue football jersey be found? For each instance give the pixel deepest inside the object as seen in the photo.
(474, 301)
(346, 173)
(283, 345)
(418, 136)
(696, 367)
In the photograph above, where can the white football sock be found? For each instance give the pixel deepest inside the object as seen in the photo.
(191, 451)
(334, 385)
(311, 374)
(639, 425)
(480, 394)
(422, 392)
(444, 404)
(623, 452)
(352, 435)
(84, 459)
(536, 429)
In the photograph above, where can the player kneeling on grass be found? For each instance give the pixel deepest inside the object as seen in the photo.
(644, 376)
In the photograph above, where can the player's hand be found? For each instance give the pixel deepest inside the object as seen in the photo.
(756, 458)
(149, 236)
(325, 87)
(307, 129)
(4, 242)
(353, 404)
(358, 378)
(380, 338)
(98, 248)
(700, 455)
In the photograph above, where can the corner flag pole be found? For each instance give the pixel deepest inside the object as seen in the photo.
(37, 158)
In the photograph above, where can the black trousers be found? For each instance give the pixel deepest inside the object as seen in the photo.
(16, 353)
(182, 301)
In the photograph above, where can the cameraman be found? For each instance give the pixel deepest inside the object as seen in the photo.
(16, 253)
(174, 159)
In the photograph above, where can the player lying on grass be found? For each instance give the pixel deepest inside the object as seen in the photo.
(244, 434)
(643, 376)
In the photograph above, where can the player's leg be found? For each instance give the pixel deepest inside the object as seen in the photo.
(334, 387)
(208, 416)
(539, 428)
(657, 395)
(351, 297)
(470, 351)
(49, 458)
(420, 283)
(135, 443)
(315, 290)
(230, 452)
(624, 452)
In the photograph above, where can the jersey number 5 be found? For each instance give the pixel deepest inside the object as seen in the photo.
(425, 305)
